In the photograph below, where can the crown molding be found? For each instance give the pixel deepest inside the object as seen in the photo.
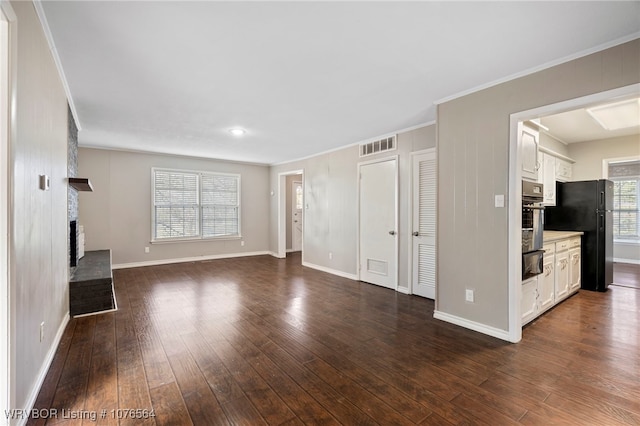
(54, 52)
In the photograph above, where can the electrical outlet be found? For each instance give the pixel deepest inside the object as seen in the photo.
(42, 331)
(242, 243)
(469, 296)
(330, 255)
(146, 249)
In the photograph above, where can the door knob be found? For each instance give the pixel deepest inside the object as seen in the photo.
(416, 233)
(392, 232)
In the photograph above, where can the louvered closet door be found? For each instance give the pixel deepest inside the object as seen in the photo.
(424, 224)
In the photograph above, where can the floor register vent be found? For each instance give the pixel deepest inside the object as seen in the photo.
(376, 147)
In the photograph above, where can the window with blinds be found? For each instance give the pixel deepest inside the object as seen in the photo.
(626, 193)
(191, 205)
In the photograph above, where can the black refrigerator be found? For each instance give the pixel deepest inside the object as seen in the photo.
(587, 206)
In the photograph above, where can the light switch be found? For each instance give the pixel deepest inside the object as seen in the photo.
(500, 200)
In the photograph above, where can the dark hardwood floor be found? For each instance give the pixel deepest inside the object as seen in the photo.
(260, 340)
(626, 275)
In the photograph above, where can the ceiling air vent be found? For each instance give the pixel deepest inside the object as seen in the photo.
(376, 147)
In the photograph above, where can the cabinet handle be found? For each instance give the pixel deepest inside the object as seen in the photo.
(415, 233)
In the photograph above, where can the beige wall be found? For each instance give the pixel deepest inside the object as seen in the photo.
(331, 204)
(589, 156)
(473, 159)
(38, 237)
(553, 144)
(117, 214)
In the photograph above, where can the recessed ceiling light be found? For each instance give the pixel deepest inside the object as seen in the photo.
(618, 115)
(237, 131)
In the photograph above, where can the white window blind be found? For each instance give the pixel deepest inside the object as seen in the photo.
(626, 195)
(220, 205)
(188, 205)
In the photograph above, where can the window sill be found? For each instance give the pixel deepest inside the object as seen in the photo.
(626, 242)
(196, 240)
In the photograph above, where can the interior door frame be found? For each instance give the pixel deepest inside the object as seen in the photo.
(282, 212)
(396, 208)
(515, 190)
(411, 218)
(294, 184)
(8, 63)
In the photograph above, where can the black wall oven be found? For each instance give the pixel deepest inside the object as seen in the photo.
(532, 228)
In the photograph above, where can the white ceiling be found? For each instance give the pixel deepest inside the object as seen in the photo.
(579, 126)
(300, 77)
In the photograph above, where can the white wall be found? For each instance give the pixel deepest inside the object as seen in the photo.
(589, 157)
(331, 194)
(38, 236)
(117, 214)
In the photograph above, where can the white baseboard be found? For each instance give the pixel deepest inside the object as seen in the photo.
(44, 369)
(634, 261)
(404, 290)
(187, 259)
(472, 325)
(331, 271)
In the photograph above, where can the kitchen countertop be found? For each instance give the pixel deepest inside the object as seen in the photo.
(551, 236)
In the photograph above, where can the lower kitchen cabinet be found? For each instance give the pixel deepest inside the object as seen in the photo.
(529, 300)
(546, 283)
(560, 278)
(562, 275)
(574, 267)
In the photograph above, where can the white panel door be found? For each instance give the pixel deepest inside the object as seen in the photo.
(296, 216)
(378, 223)
(424, 224)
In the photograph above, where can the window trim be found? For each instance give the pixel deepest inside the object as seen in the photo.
(605, 175)
(200, 237)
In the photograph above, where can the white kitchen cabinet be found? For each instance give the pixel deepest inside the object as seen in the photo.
(548, 173)
(564, 170)
(553, 167)
(559, 279)
(528, 138)
(562, 273)
(546, 282)
(529, 300)
(575, 255)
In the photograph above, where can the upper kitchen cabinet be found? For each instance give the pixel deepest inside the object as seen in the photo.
(529, 140)
(548, 175)
(564, 170)
(554, 167)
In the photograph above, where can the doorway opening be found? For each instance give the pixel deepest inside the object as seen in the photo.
(516, 174)
(291, 214)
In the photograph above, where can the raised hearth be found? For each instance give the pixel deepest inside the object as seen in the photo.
(91, 284)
